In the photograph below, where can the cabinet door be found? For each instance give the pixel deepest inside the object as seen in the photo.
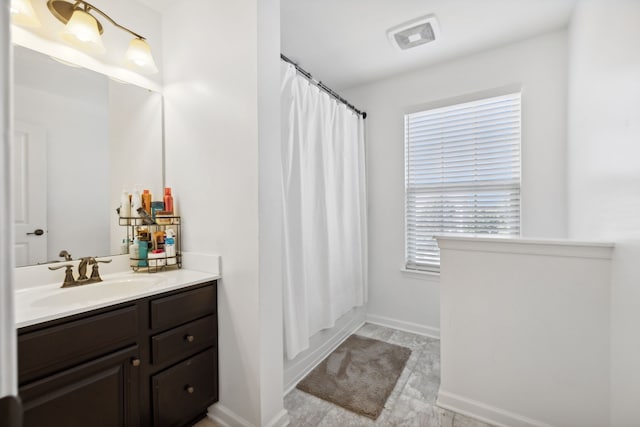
(103, 392)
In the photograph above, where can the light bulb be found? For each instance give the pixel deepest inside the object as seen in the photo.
(22, 13)
(139, 57)
(82, 31)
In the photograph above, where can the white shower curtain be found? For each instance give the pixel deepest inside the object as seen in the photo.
(324, 204)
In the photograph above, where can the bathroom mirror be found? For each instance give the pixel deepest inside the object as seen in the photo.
(79, 139)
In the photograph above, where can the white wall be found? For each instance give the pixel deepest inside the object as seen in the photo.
(219, 98)
(604, 177)
(539, 67)
(8, 371)
(270, 214)
(525, 331)
(77, 137)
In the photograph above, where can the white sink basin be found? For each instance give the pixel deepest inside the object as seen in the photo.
(96, 292)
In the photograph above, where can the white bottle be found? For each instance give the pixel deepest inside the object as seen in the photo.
(170, 246)
(125, 204)
(134, 253)
(136, 202)
(124, 247)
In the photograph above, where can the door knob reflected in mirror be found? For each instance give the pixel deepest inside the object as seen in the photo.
(37, 232)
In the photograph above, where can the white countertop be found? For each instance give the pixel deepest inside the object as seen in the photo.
(39, 304)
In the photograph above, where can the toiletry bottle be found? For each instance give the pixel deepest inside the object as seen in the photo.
(146, 201)
(133, 253)
(146, 219)
(170, 247)
(143, 249)
(155, 207)
(168, 200)
(124, 247)
(136, 202)
(159, 258)
(125, 204)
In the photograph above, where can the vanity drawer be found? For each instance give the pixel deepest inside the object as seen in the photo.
(183, 391)
(184, 340)
(180, 308)
(58, 347)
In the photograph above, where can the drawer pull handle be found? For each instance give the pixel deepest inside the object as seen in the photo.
(189, 389)
(135, 362)
(189, 338)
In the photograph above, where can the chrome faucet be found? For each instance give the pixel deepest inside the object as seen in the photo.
(82, 272)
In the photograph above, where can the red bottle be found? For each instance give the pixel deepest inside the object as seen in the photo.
(168, 200)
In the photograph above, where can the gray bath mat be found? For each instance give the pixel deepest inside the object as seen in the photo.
(359, 375)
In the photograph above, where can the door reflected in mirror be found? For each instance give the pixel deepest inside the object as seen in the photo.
(79, 139)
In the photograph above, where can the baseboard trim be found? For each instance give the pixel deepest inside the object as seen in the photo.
(483, 412)
(280, 420)
(305, 365)
(225, 417)
(414, 328)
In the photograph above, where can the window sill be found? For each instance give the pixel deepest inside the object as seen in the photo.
(421, 274)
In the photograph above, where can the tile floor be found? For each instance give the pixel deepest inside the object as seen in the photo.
(410, 404)
(206, 422)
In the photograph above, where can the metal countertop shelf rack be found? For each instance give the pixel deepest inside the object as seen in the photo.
(136, 228)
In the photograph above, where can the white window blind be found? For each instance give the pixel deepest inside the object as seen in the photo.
(462, 174)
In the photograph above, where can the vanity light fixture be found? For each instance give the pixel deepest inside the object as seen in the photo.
(139, 56)
(22, 13)
(83, 30)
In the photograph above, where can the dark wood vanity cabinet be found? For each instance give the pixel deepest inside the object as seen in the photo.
(101, 392)
(150, 362)
(183, 367)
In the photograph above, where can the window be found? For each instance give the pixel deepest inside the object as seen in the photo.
(462, 174)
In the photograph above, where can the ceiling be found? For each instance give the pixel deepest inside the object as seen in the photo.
(344, 43)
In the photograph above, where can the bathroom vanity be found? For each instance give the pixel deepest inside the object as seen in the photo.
(147, 361)
(137, 349)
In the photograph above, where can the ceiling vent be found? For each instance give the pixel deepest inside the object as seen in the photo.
(414, 33)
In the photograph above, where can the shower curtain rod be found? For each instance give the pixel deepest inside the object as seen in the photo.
(323, 86)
